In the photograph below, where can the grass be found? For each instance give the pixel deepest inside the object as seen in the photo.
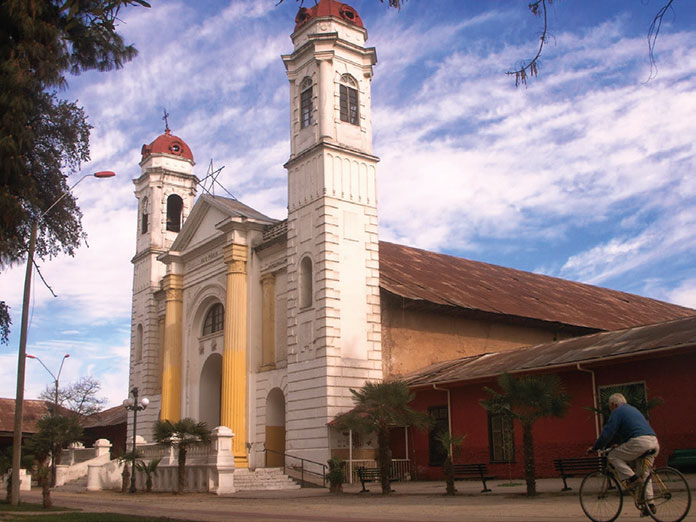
(61, 514)
(5, 507)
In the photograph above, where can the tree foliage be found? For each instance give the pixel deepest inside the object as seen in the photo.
(527, 399)
(42, 136)
(79, 397)
(181, 434)
(54, 432)
(452, 445)
(379, 407)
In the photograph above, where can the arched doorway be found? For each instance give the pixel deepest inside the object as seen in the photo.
(275, 428)
(210, 391)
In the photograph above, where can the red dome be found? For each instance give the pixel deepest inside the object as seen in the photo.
(167, 143)
(328, 8)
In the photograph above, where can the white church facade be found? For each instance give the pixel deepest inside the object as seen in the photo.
(259, 325)
(264, 325)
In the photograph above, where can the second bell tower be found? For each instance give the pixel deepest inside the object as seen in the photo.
(334, 336)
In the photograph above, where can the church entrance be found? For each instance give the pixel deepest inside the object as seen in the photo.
(210, 391)
(275, 428)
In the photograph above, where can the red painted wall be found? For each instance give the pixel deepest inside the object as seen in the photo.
(670, 378)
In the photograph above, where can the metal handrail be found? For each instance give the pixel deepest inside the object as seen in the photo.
(302, 466)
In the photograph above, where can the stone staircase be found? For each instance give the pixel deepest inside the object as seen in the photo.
(79, 484)
(262, 479)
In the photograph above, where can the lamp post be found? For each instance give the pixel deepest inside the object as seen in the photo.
(132, 404)
(21, 359)
(55, 409)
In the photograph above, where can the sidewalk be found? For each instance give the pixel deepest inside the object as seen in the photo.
(411, 501)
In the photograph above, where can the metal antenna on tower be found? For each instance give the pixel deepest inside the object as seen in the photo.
(208, 183)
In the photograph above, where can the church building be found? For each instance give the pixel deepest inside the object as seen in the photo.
(264, 325)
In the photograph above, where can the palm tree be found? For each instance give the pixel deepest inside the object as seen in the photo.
(150, 469)
(181, 434)
(53, 433)
(127, 458)
(452, 446)
(528, 399)
(379, 407)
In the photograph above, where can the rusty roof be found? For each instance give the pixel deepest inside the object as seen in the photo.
(33, 410)
(440, 279)
(109, 417)
(598, 348)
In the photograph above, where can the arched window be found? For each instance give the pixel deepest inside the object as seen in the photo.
(139, 343)
(349, 100)
(174, 207)
(306, 282)
(214, 319)
(306, 108)
(144, 214)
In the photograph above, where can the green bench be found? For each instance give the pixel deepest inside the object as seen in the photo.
(683, 459)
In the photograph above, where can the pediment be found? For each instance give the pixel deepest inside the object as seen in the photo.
(202, 224)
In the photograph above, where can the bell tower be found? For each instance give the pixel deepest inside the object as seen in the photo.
(165, 190)
(334, 336)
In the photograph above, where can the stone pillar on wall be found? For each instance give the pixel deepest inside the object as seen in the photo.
(234, 367)
(268, 322)
(172, 284)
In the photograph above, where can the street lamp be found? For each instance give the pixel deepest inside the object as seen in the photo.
(55, 409)
(55, 378)
(21, 359)
(132, 404)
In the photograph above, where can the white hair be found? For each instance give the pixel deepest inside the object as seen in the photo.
(616, 400)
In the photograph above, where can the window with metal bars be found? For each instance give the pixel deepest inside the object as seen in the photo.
(306, 108)
(349, 100)
(501, 438)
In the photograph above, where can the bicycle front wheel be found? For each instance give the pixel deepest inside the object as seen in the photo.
(600, 497)
(667, 490)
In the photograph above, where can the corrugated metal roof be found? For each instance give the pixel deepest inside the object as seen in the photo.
(32, 411)
(671, 335)
(420, 275)
(109, 417)
(35, 409)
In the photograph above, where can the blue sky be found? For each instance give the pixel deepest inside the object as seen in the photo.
(585, 174)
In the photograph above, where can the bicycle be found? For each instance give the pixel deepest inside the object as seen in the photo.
(664, 494)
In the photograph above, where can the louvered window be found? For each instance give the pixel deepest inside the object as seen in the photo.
(349, 100)
(306, 108)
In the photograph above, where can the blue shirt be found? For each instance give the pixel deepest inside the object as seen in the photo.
(625, 422)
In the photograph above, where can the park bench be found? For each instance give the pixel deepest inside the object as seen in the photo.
(683, 459)
(479, 471)
(577, 466)
(371, 475)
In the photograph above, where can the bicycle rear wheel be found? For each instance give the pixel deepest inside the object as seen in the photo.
(600, 497)
(670, 495)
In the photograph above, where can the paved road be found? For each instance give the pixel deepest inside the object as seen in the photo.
(414, 501)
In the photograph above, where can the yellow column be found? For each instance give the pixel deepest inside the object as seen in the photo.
(233, 400)
(172, 285)
(268, 322)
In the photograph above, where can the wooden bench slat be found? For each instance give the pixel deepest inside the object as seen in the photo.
(473, 470)
(575, 466)
(370, 475)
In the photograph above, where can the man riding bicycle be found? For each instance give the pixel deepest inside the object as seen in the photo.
(628, 428)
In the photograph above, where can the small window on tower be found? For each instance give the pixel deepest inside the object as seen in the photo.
(306, 282)
(306, 108)
(144, 214)
(349, 100)
(174, 207)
